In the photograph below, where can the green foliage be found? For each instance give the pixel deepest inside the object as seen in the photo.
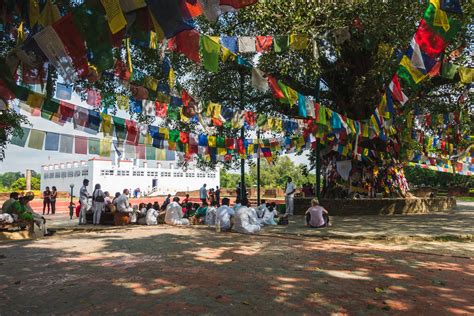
(8, 178)
(13, 181)
(419, 176)
(19, 184)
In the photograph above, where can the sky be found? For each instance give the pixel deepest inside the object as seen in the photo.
(20, 159)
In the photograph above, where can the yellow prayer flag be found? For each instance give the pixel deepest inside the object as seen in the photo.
(227, 54)
(122, 102)
(106, 125)
(165, 132)
(153, 40)
(35, 100)
(50, 14)
(105, 145)
(365, 130)
(34, 12)
(160, 154)
(115, 16)
(129, 55)
(160, 35)
(466, 74)
(150, 83)
(172, 78)
(440, 18)
(212, 141)
(213, 110)
(414, 72)
(298, 42)
(221, 151)
(184, 118)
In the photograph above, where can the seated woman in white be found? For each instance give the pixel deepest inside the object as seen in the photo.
(269, 216)
(246, 220)
(152, 216)
(211, 214)
(174, 214)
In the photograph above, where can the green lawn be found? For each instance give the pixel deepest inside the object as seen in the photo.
(465, 198)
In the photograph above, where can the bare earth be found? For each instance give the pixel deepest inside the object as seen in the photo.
(405, 265)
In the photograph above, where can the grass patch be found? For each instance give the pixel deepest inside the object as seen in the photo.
(465, 198)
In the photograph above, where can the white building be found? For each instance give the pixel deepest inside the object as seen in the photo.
(156, 177)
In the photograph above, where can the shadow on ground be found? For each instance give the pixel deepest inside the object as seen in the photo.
(167, 270)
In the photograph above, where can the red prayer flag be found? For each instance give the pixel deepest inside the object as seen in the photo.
(161, 109)
(186, 43)
(229, 143)
(121, 70)
(276, 90)
(140, 151)
(80, 144)
(250, 118)
(73, 42)
(5, 93)
(185, 97)
(264, 43)
(132, 132)
(194, 8)
(240, 146)
(184, 137)
(429, 41)
(66, 111)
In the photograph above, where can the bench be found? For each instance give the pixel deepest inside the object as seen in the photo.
(18, 230)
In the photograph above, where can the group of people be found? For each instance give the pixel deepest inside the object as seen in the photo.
(213, 195)
(49, 200)
(17, 209)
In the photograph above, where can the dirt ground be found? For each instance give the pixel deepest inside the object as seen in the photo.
(167, 270)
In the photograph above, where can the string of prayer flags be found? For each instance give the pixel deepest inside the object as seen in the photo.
(63, 92)
(114, 14)
(172, 16)
(36, 140)
(19, 139)
(187, 43)
(246, 44)
(263, 43)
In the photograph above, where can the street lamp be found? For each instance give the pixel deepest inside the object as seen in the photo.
(71, 205)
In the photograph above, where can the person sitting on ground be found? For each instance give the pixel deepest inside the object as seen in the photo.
(98, 203)
(237, 204)
(108, 201)
(166, 202)
(268, 214)
(122, 203)
(246, 220)
(152, 215)
(316, 215)
(224, 216)
(8, 203)
(211, 214)
(156, 206)
(174, 214)
(142, 215)
(200, 214)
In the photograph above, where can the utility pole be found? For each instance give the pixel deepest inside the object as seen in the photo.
(318, 149)
(258, 168)
(243, 194)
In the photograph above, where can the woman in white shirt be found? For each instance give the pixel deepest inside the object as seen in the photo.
(98, 202)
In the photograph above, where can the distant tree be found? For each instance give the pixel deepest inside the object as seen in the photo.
(19, 184)
(419, 176)
(8, 178)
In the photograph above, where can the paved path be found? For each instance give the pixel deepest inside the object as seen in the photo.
(175, 271)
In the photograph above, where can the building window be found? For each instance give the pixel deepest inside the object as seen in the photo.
(211, 175)
(77, 173)
(45, 176)
(166, 174)
(178, 174)
(138, 173)
(57, 175)
(70, 174)
(190, 175)
(63, 174)
(201, 175)
(85, 172)
(51, 175)
(106, 172)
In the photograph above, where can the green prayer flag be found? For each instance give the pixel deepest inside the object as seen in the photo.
(454, 23)
(150, 153)
(120, 129)
(94, 146)
(261, 120)
(50, 107)
(21, 93)
(36, 139)
(173, 113)
(322, 116)
(20, 138)
(210, 53)
(220, 143)
(405, 75)
(174, 135)
(281, 43)
(449, 70)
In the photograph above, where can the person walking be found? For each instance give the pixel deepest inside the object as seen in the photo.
(54, 195)
(84, 200)
(203, 193)
(98, 202)
(46, 200)
(289, 196)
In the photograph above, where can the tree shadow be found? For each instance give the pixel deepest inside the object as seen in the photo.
(167, 270)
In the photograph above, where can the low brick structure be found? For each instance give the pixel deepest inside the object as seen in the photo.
(341, 207)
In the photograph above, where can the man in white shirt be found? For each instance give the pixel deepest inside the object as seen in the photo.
(203, 193)
(289, 196)
(84, 200)
(246, 220)
(174, 213)
(224, 214)
(122, 204)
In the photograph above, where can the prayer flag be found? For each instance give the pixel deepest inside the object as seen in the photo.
(122, 102)
(301, 105)
(430, 42)
(449, 70)
(150, 153)
(80, 144)
(94, 146)
(120, 129)
(397, 93)
(210, 53)
(49, 109)
(105, 147)
(115, 16)
(410, 73)
(52, 141)
(172, 16)
(94, 121)
(66, 143)
(66, 111)
(280, 43)
(106, 126)
(63, 91)
(259, 82)
(132, 132)
(93, 98)
(149, 108)
(230, 42)
(466, 75)
(298, 42)
(50, 14)
(19, 139)
(140, 152)
(419, 59)
(444, 25)
(274, 86)
(36, 140)
(170, 155)
(186, 43)
(35, 100)
(264, 43)
(135, 105)
(246, 44)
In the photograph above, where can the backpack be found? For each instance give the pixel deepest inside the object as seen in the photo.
(99, 198)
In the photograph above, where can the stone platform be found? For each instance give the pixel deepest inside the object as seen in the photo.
(341, 207)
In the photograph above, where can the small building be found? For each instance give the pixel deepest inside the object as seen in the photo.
(151, 177)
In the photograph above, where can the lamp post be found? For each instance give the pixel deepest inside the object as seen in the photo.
(71, 207)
